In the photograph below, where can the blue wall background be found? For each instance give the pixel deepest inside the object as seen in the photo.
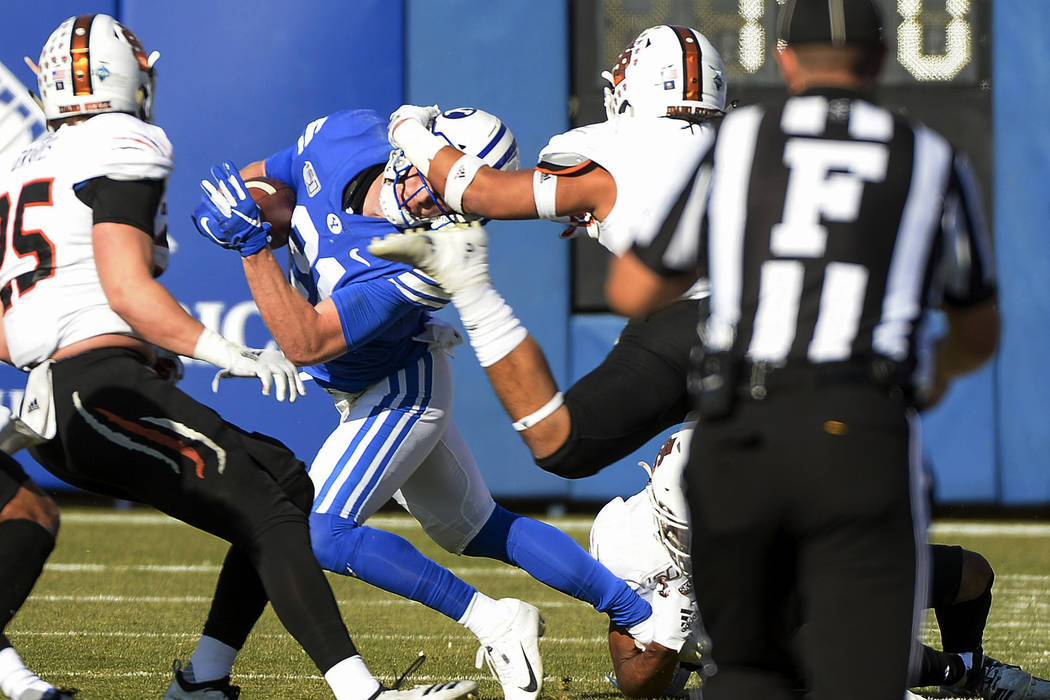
(241, 95)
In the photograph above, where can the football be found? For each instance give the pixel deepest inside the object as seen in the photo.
(276, 201)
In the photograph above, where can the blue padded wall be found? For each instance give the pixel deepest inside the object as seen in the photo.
(240, 95)
(511, 59)
(1021, 100)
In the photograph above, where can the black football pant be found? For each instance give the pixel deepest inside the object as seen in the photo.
(802, 511)
(125, 432)
(638, 391)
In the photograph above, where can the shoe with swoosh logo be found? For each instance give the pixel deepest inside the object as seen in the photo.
(513, 656)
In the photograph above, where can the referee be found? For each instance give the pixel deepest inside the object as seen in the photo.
(829, 226)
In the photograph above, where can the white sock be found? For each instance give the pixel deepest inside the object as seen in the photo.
(350, 679)
(212, 659)
(15, 678)
(967, 659)
(491, 325)
(484, 617)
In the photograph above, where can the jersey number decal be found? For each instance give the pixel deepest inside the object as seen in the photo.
(826, 182)
(329, 270)
(25, 243)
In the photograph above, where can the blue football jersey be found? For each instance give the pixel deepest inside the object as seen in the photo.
(382, 305)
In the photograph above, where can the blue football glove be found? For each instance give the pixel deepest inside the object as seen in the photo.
(228, 215)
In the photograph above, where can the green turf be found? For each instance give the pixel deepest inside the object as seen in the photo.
(126, 592)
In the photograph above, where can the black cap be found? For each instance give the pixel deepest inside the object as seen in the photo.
(835, 22)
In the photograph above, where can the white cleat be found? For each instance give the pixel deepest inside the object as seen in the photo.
(1001, 681)
(456, 257)
(438, 691)
(513, 656)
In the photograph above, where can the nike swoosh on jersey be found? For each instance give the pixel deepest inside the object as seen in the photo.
(357, 256)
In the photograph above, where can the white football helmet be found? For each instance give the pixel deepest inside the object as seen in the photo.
(666, 490)
(93, 64)
(470, 130)
(668, 71)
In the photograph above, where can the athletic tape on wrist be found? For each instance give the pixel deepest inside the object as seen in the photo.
(213, 348)
(544, 190)
(460, 175)
(418, 143)
(536, 416)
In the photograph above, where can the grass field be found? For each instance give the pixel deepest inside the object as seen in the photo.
(126, 592)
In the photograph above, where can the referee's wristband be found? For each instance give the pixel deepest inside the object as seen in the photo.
(535, 417)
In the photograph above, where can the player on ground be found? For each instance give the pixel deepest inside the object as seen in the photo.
(84, 238)
(364, 328)
(666, 91)
(645, 540)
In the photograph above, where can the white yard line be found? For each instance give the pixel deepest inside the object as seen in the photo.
(466, 637)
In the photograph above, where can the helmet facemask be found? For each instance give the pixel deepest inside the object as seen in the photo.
(396, 192)
(467, 129)
(666, 492)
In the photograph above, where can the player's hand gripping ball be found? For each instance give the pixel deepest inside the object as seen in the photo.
(276, 201)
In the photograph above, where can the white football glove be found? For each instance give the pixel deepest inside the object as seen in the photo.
(421, 115)
(271, 366)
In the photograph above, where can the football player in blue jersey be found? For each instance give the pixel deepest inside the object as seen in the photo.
(362, 327)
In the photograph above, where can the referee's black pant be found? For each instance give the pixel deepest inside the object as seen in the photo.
(802, 510)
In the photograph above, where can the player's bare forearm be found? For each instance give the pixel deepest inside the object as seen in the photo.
(307, 335)
(523, 382)
(124, 260)
(632, 289)
(641, 674)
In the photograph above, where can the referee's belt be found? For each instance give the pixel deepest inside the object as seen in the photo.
(755, 380)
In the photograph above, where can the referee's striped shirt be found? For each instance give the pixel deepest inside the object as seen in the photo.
(827, 225)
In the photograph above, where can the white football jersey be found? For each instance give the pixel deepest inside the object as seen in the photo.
(624, 538)
(651, 159)
(49, 285)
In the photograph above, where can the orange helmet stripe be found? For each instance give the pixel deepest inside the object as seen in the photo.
(80, 55)
(690, 63)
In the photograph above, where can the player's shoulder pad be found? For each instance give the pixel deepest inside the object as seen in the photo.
(127, 148)
(576, 149)
(359, 128)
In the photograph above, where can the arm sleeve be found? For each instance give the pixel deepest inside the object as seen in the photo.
(279, 165)
(131, 202)
(366, 309)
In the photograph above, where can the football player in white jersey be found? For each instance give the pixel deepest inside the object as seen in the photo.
(29, 518)
(645, 540)
(85, 239)
(664, 93)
